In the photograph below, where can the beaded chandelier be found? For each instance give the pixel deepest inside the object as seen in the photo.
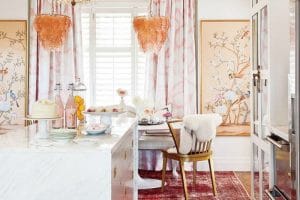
(152, 31)
(52, 30)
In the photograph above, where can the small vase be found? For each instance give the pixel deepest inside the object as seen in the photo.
(122, 104)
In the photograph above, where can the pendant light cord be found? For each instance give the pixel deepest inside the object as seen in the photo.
(150, 8)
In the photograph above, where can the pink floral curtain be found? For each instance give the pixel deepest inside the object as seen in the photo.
(48, 68)
(172, 72)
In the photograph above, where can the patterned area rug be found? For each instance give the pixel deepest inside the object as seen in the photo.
(229, 187)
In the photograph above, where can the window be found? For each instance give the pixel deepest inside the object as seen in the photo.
(111, 56)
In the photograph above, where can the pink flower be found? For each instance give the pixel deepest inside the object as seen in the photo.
(167, 114)
(122, 92)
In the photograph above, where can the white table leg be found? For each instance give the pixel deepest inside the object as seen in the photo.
(174, 167)
(147, 183)
(142, 183)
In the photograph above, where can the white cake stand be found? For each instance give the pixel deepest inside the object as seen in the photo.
(42, 135)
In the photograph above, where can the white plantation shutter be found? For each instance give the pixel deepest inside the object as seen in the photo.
(112, 58)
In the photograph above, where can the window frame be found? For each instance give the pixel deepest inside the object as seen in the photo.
(93, 50)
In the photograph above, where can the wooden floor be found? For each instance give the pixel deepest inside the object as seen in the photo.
(245, 178)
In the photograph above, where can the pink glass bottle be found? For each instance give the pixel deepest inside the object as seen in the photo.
(70, 111)
(60, 108)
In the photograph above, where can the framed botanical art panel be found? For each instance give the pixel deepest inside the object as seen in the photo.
(225, 73)
(13, 71)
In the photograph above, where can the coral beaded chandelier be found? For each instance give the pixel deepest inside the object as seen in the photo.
(50, 37)
(152, 31)
(52, 29)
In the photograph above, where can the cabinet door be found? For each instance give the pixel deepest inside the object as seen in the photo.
(122, 170)
(260, 100)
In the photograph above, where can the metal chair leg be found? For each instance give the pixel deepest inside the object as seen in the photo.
(212, 176)
(183, 178)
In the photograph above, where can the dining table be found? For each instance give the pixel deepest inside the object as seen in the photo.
(153, 138)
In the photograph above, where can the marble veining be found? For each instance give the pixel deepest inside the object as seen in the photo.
(72, 171)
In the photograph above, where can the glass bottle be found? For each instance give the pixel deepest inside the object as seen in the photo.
(59, 107)
(79, 91)
(70, 111)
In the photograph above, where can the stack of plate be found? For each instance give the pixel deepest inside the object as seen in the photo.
(62, 135)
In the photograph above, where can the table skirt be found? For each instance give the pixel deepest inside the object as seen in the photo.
(152, 160)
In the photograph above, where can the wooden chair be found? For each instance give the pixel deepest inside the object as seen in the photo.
(201, 151)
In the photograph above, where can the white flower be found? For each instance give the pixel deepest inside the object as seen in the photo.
(221, 109)
(230, 95)
(137, 101)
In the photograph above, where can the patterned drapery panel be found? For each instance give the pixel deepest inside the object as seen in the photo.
(47, 68)
(172, 72)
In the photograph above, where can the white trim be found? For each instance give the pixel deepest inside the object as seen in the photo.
(133, 57)
(263, 147)
(117, 4)
(227, 164)
(92, 53)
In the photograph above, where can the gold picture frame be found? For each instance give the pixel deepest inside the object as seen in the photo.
(13, 71)
(225, 73)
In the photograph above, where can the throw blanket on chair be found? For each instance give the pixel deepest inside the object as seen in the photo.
(202, 125)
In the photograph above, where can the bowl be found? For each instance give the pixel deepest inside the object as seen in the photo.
(96, 129)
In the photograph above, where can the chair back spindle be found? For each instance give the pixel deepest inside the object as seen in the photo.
(198, 147)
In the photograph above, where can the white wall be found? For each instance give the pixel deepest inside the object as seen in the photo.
(224, 9)
(13, 9)
(279, 61)
(230, 153)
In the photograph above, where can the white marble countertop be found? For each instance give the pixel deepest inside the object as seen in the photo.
(60, 171)
(22, 139)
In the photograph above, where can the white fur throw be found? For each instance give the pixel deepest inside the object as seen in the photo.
(202, 125)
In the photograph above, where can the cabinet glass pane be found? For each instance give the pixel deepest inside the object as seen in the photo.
(255, 177)
(255, 63)
(264, 66)
(264, 38)
(255, 41)
(254, 2)
(265, 173)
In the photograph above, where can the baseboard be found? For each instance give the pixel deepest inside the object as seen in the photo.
(227, 164)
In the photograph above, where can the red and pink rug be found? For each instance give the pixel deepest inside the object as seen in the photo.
(229, 187)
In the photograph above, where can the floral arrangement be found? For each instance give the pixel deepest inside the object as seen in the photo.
(167, 114)
(122, 92)
(144, 107)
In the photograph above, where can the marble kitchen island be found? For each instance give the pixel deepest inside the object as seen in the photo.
(90, 169)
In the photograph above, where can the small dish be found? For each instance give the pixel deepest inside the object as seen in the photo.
(95, 132)
(96, 129)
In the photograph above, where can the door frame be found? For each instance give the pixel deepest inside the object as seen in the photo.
(297, 125)
(263, 147)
